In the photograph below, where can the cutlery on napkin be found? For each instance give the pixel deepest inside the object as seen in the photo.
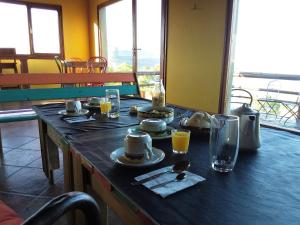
(78, 119)
(169, 187)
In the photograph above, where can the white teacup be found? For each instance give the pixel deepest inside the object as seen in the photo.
(73, 106)
(138, 145)
(95, 101)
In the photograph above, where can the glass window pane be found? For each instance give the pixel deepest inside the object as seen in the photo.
(45, 29)
(14, 27)
(148, 34)
(116, 35)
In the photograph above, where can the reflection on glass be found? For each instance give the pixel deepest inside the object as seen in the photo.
(148, 34)
(45, 28)
(14, 27)
(116, 35)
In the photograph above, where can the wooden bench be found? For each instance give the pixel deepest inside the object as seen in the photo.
(17, 95)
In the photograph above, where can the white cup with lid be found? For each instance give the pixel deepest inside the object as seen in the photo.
(138, 145)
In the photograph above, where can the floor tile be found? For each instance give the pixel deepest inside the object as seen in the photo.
(18, 202)
(33, 206)
(20, 157)
(36, 163)
(15, 141)
(32, 145)
(54, 190)
(6, 171)
(25, 181)
(7, 150)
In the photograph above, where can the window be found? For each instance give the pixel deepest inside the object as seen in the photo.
(32, 29)
(132, 35)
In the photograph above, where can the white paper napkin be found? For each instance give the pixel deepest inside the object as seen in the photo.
(78, 119)
(170, 188)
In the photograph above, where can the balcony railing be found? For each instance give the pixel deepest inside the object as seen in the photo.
(285, 99)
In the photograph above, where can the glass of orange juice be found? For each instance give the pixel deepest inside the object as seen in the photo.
(105, 106)
(180, 141)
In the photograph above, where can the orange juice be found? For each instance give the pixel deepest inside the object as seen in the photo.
(180, 141)
(105, 107)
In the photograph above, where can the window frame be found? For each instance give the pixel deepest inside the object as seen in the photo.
(29, 6)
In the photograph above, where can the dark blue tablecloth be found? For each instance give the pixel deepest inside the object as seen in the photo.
(264, 187)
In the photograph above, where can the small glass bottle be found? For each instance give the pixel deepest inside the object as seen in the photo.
(158, 95)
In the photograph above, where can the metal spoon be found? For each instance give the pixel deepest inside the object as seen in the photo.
(179, 167)
(179, 177)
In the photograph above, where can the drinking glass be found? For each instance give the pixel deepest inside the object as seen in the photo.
(224, 142)
(113, 96)
(180, 141)
(105, 106)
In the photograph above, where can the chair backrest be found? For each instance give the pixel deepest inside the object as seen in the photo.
(7, 53)
(241, 96)
(68, 92)
(60, 64)
(273, 89)
(97, 64)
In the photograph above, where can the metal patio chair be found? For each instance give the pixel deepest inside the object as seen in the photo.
(240, 96)
(270, 104)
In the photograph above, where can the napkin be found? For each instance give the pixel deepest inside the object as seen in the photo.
(170, 188)
(78, 119)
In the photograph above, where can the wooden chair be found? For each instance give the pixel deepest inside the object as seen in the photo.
(97, 64)
(8, 54)
(54, 209)
(60, 64)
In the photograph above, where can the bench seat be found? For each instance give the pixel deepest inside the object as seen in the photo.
(17, 115)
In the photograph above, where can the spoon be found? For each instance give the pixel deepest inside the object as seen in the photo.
(178, 178)
(179, 167)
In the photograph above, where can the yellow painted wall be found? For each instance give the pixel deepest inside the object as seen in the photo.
(75, 32)
(195, 53)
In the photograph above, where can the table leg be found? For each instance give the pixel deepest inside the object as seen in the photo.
(53, 157)
(78, 184)
(298, 113)
(68, 171)
(44, 153)
(1, 147)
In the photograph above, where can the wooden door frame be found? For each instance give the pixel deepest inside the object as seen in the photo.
(226, 56)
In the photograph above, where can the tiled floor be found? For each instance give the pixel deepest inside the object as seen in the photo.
(23, 185)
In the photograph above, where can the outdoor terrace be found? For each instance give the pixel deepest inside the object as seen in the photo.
(275, 96)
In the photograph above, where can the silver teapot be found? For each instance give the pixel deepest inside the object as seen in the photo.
(249, 127)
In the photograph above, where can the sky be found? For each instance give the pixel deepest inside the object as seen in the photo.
(268, 36)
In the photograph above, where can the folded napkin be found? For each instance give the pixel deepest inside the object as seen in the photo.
(78, 119)
(172, 187)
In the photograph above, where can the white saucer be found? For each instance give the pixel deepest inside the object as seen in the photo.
(80, 113)
(88, 105)
(118, 157)
(164, 135)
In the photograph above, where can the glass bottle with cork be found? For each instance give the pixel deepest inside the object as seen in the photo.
(158, 95)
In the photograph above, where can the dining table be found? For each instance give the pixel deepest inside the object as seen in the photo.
(263, 188)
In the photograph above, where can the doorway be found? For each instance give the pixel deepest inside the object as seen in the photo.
(132, 39)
